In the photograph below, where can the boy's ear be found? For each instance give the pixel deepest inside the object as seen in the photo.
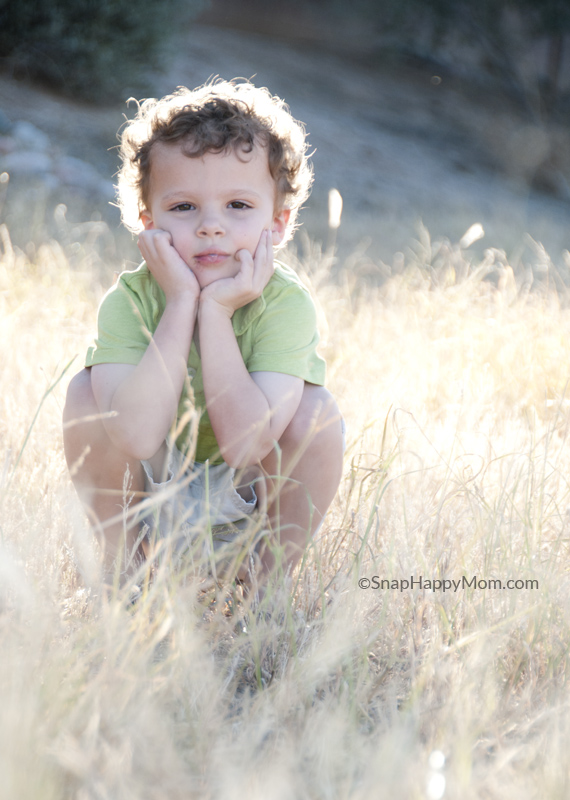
(280, 222)
(146, 220)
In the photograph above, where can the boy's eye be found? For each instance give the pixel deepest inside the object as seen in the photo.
(183, 207)
(239, 205)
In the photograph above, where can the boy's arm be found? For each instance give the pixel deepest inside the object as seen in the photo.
(248, 412)
(145, 397)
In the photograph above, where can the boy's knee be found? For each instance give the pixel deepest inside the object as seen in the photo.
(80, 425)
(79, 401)
(317, 416)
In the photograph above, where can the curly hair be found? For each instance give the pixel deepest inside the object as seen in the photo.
(215, 118)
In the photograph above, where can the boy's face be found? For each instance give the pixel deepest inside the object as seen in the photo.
(213, 206)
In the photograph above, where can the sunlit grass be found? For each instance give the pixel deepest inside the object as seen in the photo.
(452, 378)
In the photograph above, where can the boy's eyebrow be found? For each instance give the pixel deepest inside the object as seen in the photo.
(177, 193)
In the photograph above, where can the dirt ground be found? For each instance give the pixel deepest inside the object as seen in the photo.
(401, 144)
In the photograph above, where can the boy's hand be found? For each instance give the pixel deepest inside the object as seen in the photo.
(171, 272)
(249, 283)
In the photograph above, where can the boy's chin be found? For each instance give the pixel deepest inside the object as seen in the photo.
(210, 275)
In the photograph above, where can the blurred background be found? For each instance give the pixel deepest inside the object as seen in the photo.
(449, 113)
(452, 376)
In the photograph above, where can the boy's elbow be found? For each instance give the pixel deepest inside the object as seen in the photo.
(142, 452)
(238, 460)
(242, 457)
(132, 444)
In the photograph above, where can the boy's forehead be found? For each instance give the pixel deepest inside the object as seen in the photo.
(167, 156)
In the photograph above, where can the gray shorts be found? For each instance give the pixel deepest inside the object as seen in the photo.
(198, 498)
(191, 501)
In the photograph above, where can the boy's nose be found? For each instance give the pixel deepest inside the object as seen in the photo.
(210, 225)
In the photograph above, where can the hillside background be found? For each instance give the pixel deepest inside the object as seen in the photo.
(407, 121)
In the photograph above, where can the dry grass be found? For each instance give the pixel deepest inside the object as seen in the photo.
(454, 391)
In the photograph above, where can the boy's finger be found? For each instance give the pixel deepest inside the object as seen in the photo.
(151, 241)
(263, 261)
(262, 248)
(247, 263)
(162, 242)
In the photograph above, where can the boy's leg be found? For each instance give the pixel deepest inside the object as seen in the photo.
(311, 457)
(311, 465)
(97, 470)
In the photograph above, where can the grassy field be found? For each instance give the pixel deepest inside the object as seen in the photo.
(452, 375)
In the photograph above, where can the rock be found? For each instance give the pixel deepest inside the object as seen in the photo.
(74, 172)
(7, 144)
(30, 137)
(26, 163)
(27, 153)
(5, 124)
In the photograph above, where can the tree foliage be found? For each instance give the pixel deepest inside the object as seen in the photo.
(549, 16)
(91, 49)
(500, 29)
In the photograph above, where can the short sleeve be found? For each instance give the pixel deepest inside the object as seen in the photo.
(123, 327)
(285, 337)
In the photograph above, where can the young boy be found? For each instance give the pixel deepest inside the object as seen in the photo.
(209, 324)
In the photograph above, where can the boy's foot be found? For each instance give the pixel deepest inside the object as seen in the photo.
(229, 601)
(129, 596)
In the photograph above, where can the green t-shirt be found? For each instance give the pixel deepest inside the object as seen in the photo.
(275, 333)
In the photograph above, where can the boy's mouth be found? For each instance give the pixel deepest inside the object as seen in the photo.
(211, 256)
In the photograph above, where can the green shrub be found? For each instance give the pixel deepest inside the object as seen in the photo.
(95, 50)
